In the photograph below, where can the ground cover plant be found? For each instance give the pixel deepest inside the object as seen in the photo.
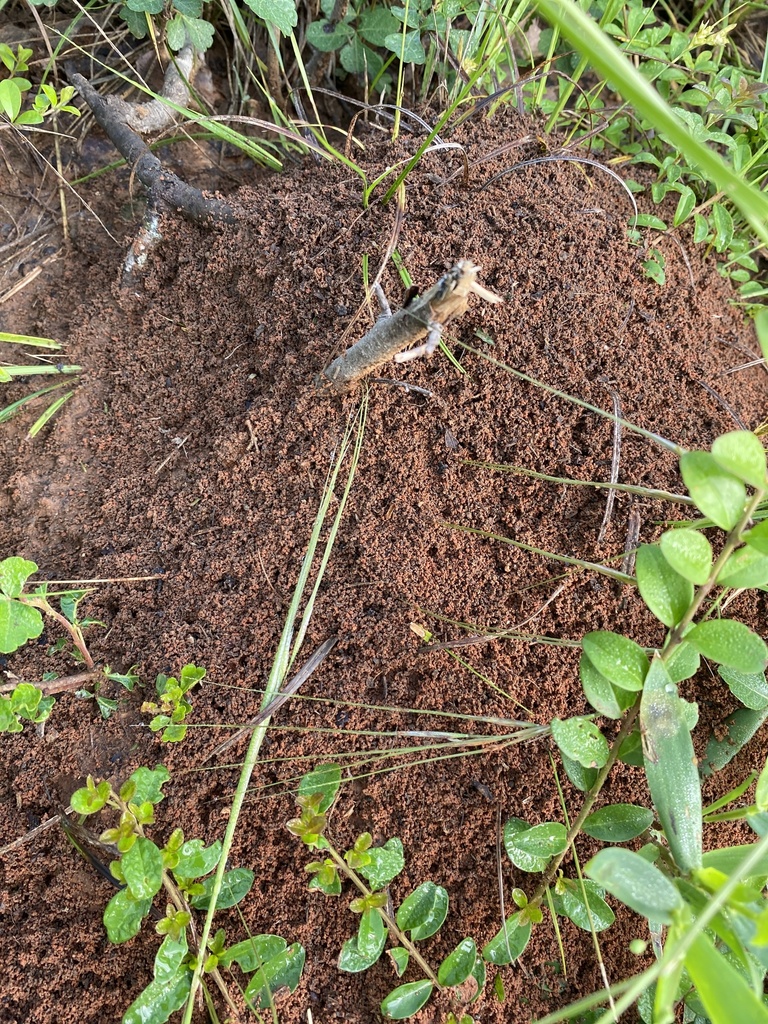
(235, 324)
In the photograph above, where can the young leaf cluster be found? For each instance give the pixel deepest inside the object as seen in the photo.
(15, 85)
(174, 703)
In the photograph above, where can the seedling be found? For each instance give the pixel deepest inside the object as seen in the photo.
(174, 704)
(182, 868)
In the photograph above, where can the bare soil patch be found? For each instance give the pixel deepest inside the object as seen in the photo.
(196, 450)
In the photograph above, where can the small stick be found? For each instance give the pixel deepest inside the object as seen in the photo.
(421, 318)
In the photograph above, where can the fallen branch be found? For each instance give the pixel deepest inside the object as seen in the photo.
(392, 333)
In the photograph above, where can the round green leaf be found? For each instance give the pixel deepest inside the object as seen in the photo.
(618, 823)
(542, 841)
(617, 657)
(123, 916)
(748, 687)
(509, 943)
(457, 966)
(14, 573)
(406, 1000)
(740, 452)
(689, 553)
(600, 692)
(665, 591)
(719, 495)
(423, 912)
(638, 884)
(581, 740)
(746, 567)
(592, 914)
(729, 643)
(525, 861)
(325, 779)
(282, 971)
(143, 868)
(18, 623)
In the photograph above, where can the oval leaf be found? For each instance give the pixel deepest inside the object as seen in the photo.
(757, 537)
(282, 971)
(423, 912)
(325, 779)
(253, 953)
(235, 886)
(683, 662)
(638, 884)
(719, 495)
(729, 643)
(406, 1000)
(689, 553)
(617, 657)
(746, 567)
(364, 949)
(581, 740)
(600, 692)
(740, 452)
(507, 945)
(123, 916)
(590, 914)
(618, 823)
(143, 869)
(541, 841)
(458, 965)
(521, 859)
(665, 591)
(386, 863)
(750, 688)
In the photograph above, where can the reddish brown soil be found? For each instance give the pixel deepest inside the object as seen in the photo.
(195, 452)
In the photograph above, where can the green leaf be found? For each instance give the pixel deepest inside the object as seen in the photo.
(250, 954)
(400, 959)
(671, 767)
(724, 991)
(386, 863)
(733, 735)
(376, 24)
(718, 495)
(143, 869)
(190, 8)
(668, 594)
(364, 949)
(605, 698)
(723, 225)
(741, 453)
(326, 36)
(235, 886)
(618, 823)
(196, 860)
(423, 912)
(282, 971)
(14, 573)
(18, 623)
(512, 828)
(683, 662)
(170, 989)
(581, 740)
(757, 537)
(149, 783)
(750, 688)
(507, 945)
(761, 790)
(617, 657)
(406, 1000)
(729, 643)
(411, 51)
(638, 884)
(280, 13)
(458, 965)
(123, 916)
(689, 553)
(582, 778)
(685, 205)
(145, 6)
(746, 567)
(542, 841)
(325, 779)
(10, 98)
(594, 914)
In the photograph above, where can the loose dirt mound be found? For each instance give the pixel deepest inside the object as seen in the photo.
(196, 452)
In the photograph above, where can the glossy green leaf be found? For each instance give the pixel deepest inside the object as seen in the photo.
(386, 864)
(542, 841)
(718, 495)
(364, 949)
(123, 916)
(618, 823)
(282, 971)
(235, 886)
(638, 884)
(525, 861)
(746, 567)
(14, 573)
(741, 453)
(757, 537)
(581, 740)
(750, 688)
(457, 966)
(423, 912)
(196, 859)
(170, 988)
(617, 657)
(325, 779)
(582, 778)
(590, 914)
(689, 553)
(605, 698)
(671, 767)
(149, 784)
(724, 991)
(683, 662)
(250, 954)
(508, 943)
(143, 868)
(731, 643)
(400, 958)
(666, 593)
(406, 1000)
